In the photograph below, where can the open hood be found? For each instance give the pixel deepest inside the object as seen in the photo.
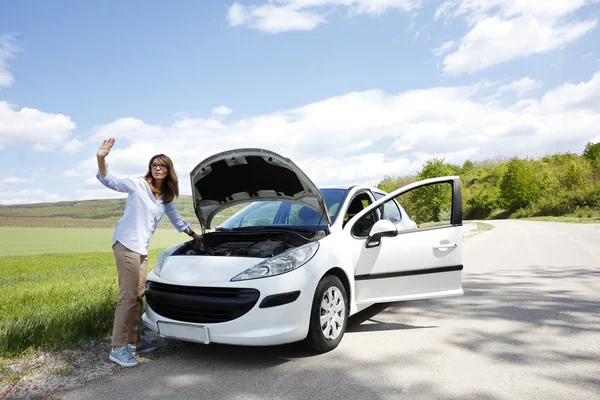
(248, 175)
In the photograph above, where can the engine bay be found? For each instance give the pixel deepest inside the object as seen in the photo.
(262, 244)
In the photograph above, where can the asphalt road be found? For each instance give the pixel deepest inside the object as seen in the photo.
(528, 327)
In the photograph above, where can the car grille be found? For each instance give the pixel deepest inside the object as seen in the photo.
(200, 304)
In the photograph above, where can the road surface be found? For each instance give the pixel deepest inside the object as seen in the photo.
(528, 327)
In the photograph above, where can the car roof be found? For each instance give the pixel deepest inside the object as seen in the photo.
(349, 187)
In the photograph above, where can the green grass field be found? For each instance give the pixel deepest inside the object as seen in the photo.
(30, 241)
(59, 285)
(58, 280)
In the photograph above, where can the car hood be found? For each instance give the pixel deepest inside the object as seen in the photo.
(247, 175)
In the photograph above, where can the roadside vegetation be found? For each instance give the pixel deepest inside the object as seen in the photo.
(559, 187)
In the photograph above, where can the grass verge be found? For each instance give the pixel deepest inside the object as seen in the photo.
(481, 226)
(54, 301)
(571, 218)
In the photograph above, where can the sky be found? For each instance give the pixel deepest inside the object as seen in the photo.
(350, 90)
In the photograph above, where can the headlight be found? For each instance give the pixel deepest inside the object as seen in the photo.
(280, 264)
(163, 256)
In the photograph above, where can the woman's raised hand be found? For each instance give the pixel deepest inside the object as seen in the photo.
(105, 147)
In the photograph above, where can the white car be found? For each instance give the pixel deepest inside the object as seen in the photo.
(297, 261)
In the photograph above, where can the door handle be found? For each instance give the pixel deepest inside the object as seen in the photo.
(446, 246)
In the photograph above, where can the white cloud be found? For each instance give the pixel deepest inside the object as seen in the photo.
(73, 146)
(444, 48)
(7, 50)
(30, 127)
(502, 30)
(222, 110)
(29, 196)
(305, 15)
(272, 18)
(520, 87)
(578, 98)
(15, 179)
(332, 139)
(237, 14)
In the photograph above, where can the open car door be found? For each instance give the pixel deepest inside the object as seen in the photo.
(415, 263)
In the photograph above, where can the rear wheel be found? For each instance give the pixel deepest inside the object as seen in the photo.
(329, 315)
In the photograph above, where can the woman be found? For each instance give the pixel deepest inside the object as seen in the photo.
(148, 199)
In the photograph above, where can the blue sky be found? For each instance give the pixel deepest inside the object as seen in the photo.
(345, 88)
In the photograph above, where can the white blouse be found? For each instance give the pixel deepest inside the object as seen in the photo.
(142, 213)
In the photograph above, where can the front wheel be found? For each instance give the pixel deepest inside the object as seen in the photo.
(329, 315)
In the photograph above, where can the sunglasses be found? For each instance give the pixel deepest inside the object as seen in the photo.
(161, 166)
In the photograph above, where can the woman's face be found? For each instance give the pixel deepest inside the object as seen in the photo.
(159, 169)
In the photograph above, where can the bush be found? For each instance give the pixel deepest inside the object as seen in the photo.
(584, 212)
(561, 204)
(592, 197)
(483, 202)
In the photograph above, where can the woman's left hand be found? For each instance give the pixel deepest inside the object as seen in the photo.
(199, 239)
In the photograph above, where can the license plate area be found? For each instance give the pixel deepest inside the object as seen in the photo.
(182, 331)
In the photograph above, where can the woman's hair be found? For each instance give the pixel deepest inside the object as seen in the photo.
(170, 185)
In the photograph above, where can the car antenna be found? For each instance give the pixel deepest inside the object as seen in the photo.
(355, 177)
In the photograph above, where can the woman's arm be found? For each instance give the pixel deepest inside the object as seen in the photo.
(101, 155)
(111, 182)
(180, 224)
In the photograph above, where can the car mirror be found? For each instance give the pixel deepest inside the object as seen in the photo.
(382, 228)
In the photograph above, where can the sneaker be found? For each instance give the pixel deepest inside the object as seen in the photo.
(123, 357)
(142, 347)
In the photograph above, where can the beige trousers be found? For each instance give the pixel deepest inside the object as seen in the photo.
(132, 269)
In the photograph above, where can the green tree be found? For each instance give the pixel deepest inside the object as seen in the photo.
(467, 166)
(574, 174)
(433, 202)
(518, 187)
(592, 154)
(388, 184)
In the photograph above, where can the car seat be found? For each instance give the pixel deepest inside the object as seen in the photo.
(308, 216)
(354, 208)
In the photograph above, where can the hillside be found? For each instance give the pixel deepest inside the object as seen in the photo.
(555, 185)
(565, 184)
(110, 209)
(81, 214)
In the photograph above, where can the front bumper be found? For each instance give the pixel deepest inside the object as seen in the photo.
(276, 324)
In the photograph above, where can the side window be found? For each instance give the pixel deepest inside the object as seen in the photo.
(391, 212)
(427, 206)
(362, 227)
(358, 203)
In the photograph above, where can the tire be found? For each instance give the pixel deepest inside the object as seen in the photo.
(324, 337)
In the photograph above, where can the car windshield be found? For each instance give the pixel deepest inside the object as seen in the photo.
(285, 214)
